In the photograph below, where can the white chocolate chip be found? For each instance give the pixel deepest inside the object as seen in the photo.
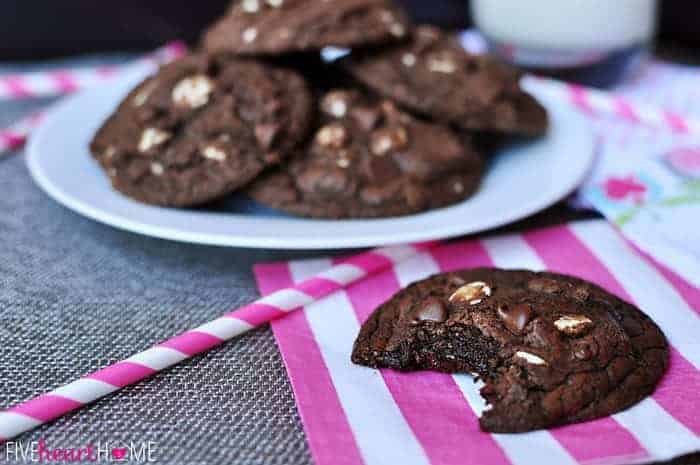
(383, 141)
(408, 60)
(109, 152)
(142, 97)
(473, 293)
(335, 104)
(397, 30)
(343, 162)
(530, 358)
(157, 169)
(250, 6)
(573, 324)
(332, 135)
(381, 146)
(250, 34)
(275, 3)
(152, 137)
(193, 92)
(458, 187)
(442, 65)
(214, 153)
(338, 108)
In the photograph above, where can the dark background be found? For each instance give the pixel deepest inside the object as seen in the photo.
(34, 29)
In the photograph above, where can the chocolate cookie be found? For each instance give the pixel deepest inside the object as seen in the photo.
(551, 349)
(282, 26)
(434, 75)
(368, 159)
(201, 128)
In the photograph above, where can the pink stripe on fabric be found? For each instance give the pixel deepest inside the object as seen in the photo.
(122, 374)
(272, 277)
(596, 440)
(432, 404)
(46, 407)
(64, 80)
(564, 252)
(15, 85)
(368, 261)
(257, 314)
(676, 121)
(625, 110)
(679, 389)
(457, 256)
(318, 287)
(579, 97)
(192, 342)
(316, 398)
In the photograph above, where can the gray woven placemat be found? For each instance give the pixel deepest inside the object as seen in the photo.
(76, 296)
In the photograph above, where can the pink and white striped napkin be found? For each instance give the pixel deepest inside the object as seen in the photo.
(355, 415)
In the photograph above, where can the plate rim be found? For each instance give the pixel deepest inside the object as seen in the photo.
(443, 232)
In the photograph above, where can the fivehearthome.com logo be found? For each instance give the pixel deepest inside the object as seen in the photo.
(100, 452)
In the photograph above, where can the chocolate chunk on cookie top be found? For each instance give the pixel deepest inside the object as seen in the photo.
(368, 159)
(201, 128)
(551, 349)
(281, 26)
(434, 75)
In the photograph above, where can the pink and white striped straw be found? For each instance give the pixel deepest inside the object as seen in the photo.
(595, 102)
(53, 83)
(15, 136)
(52, 405)
(19, 86)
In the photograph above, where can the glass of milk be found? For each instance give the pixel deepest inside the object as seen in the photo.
(595, 42)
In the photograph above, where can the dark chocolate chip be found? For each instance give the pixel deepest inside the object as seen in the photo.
(432, 310)
(515, 317)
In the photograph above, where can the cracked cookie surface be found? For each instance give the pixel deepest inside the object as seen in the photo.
(369, 159)
(551, 349)
(201, 128)
(266, 27)
(432, 74)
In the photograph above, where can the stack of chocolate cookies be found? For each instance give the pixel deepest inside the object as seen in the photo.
(401, 124)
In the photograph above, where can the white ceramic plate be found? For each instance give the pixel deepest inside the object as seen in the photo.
(522, 180)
